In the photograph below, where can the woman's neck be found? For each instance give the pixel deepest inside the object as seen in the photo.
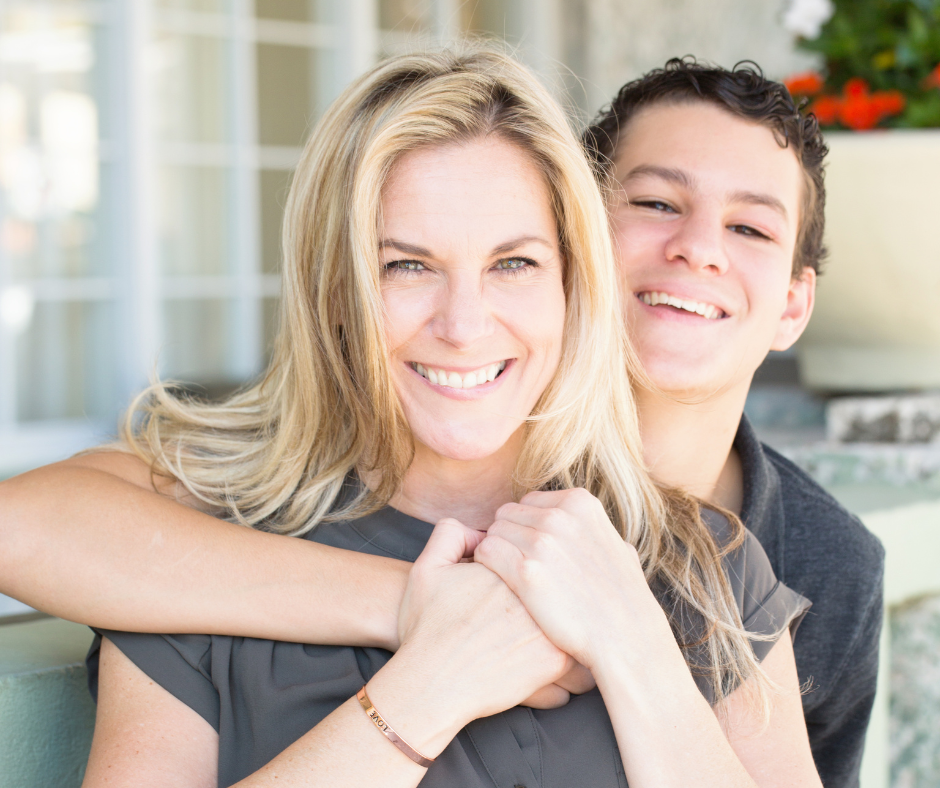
(470, 491)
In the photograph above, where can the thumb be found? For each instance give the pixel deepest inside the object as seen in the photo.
(450, 542)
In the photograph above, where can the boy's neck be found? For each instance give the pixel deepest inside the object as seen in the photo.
(690, 445)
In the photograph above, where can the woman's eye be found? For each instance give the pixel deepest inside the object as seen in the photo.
(743, 229)
(404, 265)
(514, 264)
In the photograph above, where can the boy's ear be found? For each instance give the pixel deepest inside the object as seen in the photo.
(800, 299)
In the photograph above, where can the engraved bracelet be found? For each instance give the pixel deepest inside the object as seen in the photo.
(393, 737)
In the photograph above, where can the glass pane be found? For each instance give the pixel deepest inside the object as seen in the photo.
(488, 16)
(405, 16)
(65, 238)
(204, 6)
(294, 10)
(274, 187)
(269, 313)
(65, 362)
(287, 86)
(193, 221)
(195, 340)
(45, 52)
(191, 90)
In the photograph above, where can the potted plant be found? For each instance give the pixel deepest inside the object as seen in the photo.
(877, 96)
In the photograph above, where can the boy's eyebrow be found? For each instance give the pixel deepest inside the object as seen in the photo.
(756, 198)
(671, 174)
(503, 248)
(682, 178)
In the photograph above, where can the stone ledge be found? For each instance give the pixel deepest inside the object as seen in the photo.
(46, 714)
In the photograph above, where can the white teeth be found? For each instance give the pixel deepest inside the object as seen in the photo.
(453, 380)
(708, 311)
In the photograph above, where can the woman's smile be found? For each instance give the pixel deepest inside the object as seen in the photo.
(455, 379)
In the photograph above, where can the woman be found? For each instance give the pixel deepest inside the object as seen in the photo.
(460, 175)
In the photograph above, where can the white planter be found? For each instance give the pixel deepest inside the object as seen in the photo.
(876, 326)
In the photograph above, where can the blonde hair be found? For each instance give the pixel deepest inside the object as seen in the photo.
(276, 454)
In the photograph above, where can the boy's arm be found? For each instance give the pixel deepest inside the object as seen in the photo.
(92, 540)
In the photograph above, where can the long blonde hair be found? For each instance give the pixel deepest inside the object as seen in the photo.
(275, 455)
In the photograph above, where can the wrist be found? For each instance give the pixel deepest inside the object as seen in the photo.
(415, 704)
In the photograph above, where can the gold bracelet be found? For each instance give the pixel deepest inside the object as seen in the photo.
(389, 734)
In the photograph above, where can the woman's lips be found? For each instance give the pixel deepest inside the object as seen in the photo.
(456, 380)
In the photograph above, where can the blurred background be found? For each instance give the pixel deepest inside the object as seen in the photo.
(146, 151)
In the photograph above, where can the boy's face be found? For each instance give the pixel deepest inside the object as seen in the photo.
(705, 227)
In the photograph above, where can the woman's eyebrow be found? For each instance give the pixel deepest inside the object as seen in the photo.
(514, 244)
(403, 247)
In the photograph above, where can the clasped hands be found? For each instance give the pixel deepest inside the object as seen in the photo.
(551, 593)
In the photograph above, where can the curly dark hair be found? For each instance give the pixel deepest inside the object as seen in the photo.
(745, 92)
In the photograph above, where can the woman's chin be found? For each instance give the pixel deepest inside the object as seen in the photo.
(465, 448)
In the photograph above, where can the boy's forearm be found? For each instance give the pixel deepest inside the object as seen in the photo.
(83, 544)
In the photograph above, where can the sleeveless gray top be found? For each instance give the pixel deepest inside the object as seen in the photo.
(262, 695)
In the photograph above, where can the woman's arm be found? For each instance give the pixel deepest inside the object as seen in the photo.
(92, 539)
(469, 650)
(586, 589)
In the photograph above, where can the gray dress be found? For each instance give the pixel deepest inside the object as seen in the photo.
(262, 695)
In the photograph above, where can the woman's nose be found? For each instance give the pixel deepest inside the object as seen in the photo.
(698, 241)
(464, 316)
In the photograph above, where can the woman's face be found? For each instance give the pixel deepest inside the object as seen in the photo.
(472, 285)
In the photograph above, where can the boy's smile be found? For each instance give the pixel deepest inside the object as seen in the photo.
(706, 225)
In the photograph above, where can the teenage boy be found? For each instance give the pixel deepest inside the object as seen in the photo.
(718, 217)
(717, 208)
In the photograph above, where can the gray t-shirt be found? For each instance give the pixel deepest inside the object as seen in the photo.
(262, 695)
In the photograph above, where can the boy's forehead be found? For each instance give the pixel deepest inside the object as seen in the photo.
(708, 143)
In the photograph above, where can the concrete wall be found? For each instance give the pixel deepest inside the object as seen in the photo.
(611, 41)
(46, 713)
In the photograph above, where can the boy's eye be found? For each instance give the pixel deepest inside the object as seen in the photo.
(743, 229)
(655, 205)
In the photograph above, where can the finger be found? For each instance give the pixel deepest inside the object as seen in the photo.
(502, 558)
(550, 696)
(450, 542)
(523, 537)
(544, 499)
(543, 519)
(578, 680)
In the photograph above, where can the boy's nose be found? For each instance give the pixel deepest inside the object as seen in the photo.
(699, 242)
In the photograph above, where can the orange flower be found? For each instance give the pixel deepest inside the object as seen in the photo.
(858, 112)
(806, 83)
(826, 109)
(888, 102)
(856, 87)
(932, 80)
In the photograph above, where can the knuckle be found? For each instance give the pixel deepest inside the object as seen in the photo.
(529, 571)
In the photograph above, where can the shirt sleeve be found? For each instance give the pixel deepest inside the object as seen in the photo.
(768, 607)
(181, 664)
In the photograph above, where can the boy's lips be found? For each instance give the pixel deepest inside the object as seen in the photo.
(662, 298)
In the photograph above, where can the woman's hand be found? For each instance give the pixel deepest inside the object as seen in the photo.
(469, 648)
(580, 581)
